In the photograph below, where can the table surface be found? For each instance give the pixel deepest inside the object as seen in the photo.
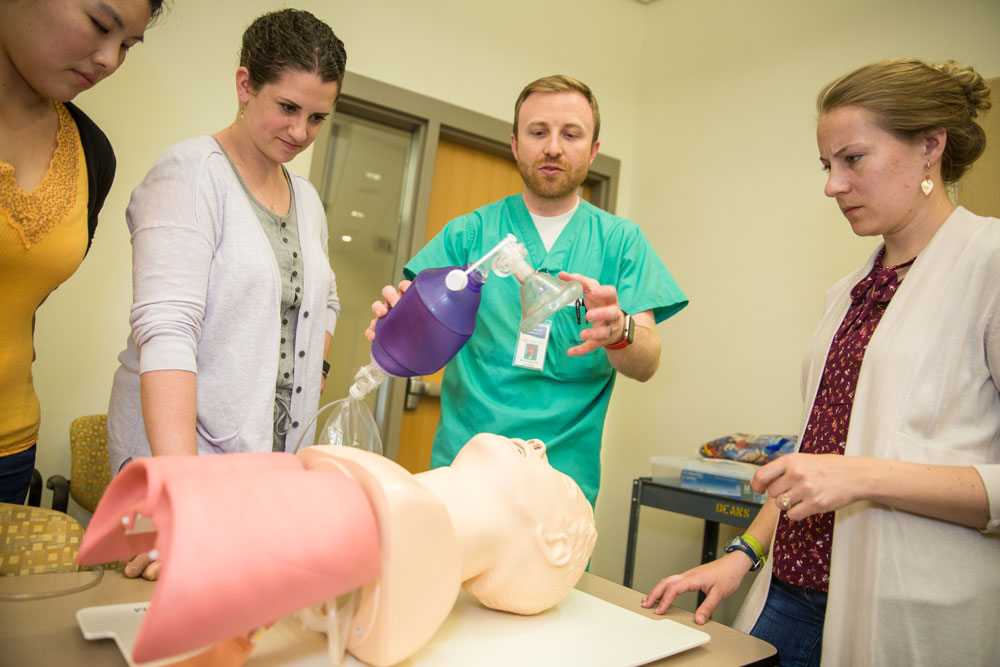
(44, 631)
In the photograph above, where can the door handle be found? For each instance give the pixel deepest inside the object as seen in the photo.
(415, 388)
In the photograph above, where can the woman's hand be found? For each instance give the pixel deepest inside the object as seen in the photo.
(143, 565)
(381, 309)
(807, 484)
(717, 580)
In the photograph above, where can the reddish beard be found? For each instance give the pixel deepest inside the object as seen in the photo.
(554, 186)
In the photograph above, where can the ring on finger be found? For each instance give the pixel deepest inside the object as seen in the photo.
(785, 502)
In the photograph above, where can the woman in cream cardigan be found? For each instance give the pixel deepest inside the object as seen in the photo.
(234, 301)
(880, 545)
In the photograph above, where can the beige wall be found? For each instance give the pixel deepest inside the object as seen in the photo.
(708, 105)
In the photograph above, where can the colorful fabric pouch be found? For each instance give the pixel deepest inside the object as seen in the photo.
(759, 449)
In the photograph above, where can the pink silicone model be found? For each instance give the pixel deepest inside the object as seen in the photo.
(244, 539)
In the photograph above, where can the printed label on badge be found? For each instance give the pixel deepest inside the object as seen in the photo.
(531, 347)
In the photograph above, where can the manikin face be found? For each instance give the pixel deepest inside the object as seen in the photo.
(554, 147)
(284, 117)
(549, 532)
(521, 471)
(59, 48)
(874, 176)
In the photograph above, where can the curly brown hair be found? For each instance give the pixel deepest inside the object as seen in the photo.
(291, 39)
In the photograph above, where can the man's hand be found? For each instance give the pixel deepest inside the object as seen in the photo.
(381, 309)
(639, 360)
(603, 312)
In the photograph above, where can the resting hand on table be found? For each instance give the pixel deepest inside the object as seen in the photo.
(142, 565)
(814, 483)
(381, 309)
(717, 580)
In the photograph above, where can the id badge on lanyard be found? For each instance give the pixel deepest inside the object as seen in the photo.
(532, 346)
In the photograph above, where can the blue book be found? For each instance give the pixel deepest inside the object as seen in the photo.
(723, 485)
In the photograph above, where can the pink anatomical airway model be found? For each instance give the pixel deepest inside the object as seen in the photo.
(269, 541)
(245, 539)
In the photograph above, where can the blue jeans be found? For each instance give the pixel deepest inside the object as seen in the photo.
(792, 620)
(15, 475)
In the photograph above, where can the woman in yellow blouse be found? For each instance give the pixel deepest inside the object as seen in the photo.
(56, 167)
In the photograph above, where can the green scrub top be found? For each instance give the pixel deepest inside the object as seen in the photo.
(563, 404)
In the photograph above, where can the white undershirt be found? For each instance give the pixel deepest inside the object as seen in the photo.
(549, 228)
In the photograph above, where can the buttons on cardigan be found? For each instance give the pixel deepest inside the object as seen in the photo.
(302, 353)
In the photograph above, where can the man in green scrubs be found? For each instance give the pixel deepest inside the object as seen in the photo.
(555, 383)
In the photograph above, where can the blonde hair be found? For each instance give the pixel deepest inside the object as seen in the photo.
(559, 83)
(910, 97)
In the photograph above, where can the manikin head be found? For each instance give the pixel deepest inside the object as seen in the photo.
(549, 525)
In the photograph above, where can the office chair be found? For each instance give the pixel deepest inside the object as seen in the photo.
(35, 489)
(35, 540)
(90, 468)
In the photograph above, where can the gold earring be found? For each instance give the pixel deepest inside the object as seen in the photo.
(927, 185)
(240, 114)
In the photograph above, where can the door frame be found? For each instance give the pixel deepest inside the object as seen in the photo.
(430, 120)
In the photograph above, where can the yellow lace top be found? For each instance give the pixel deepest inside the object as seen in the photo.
(43, 237)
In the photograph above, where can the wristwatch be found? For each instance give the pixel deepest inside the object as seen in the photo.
(628, 334)
(738, 543)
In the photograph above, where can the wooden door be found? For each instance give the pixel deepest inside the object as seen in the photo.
(979, 190)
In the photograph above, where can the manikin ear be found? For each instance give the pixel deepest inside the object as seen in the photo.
(934, 142)
(557, 548)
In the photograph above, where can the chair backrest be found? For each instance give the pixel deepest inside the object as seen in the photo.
(35, 540)
(90, 466)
